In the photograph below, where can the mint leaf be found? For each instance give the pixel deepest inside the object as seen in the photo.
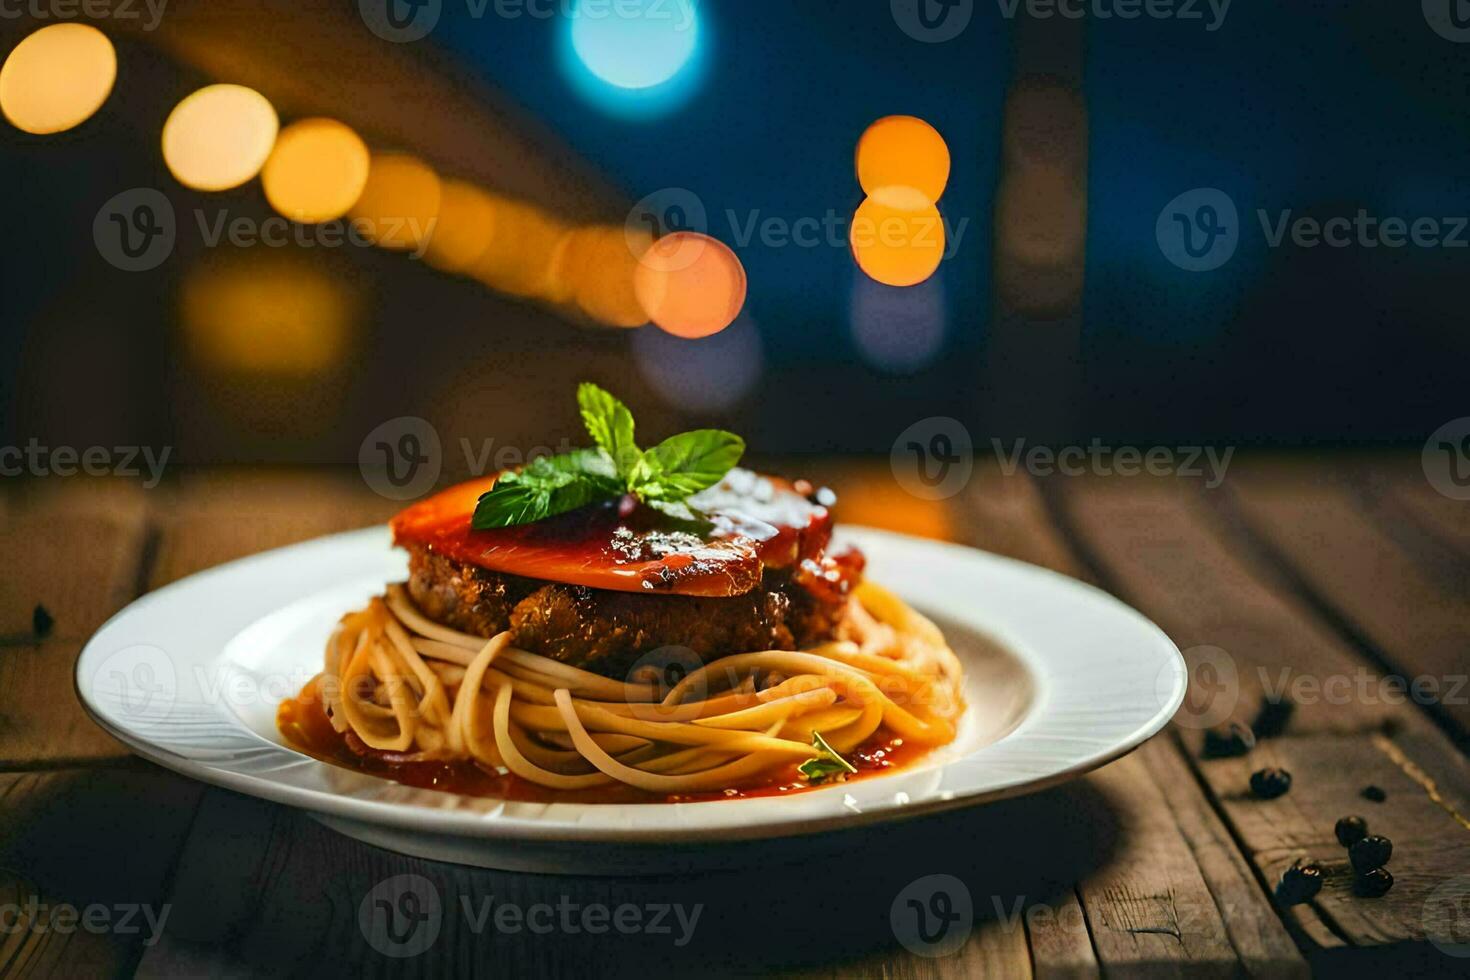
(683, 517)
(663, 478)
(820, 770)
(610, 424)
(680, 467)
(588, 462)
(826, 766)
(549, 486)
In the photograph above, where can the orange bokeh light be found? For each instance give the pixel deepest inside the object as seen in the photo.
(600, 264)
(219, 137)
(316, 171)
(520, 256)
(399, 207)
(690, 284)
(465, 227)
(267, 316)
(57, 78)
(903, 151)
(898, 237)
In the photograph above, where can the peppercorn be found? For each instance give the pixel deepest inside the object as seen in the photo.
(41, 621)
(1270, 783)
(1373, 884)
(1350, 830)
(1369, 853)
(1300, 883)
(1374, 793)
(1272, 718)
(1229, 742)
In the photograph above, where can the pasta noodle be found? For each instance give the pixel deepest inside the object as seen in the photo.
(408, 686)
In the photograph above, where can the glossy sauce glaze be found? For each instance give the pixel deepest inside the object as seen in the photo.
(304, 723)
(754, 523)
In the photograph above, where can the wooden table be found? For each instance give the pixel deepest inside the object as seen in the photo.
(1329, 573)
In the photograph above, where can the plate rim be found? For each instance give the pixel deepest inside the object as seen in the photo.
(494, 826)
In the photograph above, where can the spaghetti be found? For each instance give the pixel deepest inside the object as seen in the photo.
(411, 690)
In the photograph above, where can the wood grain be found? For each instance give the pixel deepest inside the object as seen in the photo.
(81, 851)
(1163, 548)
(1169, 553)
(1415, 614)
(41, 721)
(1429, 838)
(1447, 519)
(1396, 491)
(76, 548)
(1185, 865)
(1150, 906)
(214, 517)
(81, 567)
(266, 889)
(1061, 946)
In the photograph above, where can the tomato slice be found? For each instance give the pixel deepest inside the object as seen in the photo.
(757, 522)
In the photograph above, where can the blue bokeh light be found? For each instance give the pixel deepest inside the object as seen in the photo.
(709, 375)
(898, 330)
(634, 57)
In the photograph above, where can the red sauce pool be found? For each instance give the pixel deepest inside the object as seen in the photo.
(304, 723)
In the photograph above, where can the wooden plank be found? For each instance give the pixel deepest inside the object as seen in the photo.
(1150, 905)
(1397, 492)
(993, 950)
(1447, 519)
(76, 547)
(1178, 859)
(84, 860)
(1172, 555)
(1428, 833)
(1416, 615)
(1255, 933)
(80, 495)
(267, 889)
(82, 544)
(81, 567)
(41, 722)
(217, 517)
(1061, 946)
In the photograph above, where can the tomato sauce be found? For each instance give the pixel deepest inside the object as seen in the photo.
(304, 723)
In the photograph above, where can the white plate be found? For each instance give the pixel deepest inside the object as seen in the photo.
(1060, 678)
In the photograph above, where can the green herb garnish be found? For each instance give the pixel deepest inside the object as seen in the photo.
(664, 477)
(826, 766)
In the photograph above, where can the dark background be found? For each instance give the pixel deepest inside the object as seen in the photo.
(1058, 318)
